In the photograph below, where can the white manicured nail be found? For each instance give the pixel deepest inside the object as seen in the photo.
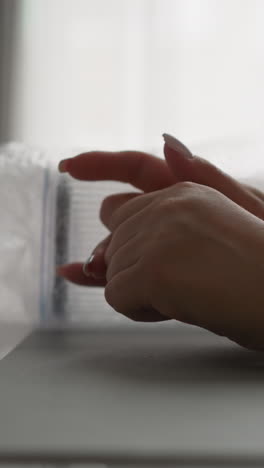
(85, 269)
(176, 145)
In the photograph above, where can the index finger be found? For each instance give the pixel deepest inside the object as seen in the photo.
(142, 170)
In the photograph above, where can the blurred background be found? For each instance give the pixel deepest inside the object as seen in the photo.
(115, 74)
(119, 73)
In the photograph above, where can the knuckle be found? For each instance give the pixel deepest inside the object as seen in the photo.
(173, 204)
(117, 217)
(186, 185)
(115, 201)
(192, 192)
(111, 209)
(166, 205)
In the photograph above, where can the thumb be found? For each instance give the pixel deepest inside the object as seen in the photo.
(188, 167)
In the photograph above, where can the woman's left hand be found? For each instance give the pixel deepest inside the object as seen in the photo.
(189, 253)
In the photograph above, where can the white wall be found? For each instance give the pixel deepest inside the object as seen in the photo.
(118, 73)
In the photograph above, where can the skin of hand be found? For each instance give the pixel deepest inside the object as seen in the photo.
(191, 254)
(148, 174)
(183, 251)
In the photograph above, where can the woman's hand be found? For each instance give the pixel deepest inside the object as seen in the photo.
(188, 253)
(149, 174)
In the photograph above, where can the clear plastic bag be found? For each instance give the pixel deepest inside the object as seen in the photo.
(28, 189)
(48, 219)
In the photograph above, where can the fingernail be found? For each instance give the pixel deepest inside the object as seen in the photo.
(87, 264)
(64, 165)
(88, 268)
(176, 145)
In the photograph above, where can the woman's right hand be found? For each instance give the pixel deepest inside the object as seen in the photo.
(148, 173)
